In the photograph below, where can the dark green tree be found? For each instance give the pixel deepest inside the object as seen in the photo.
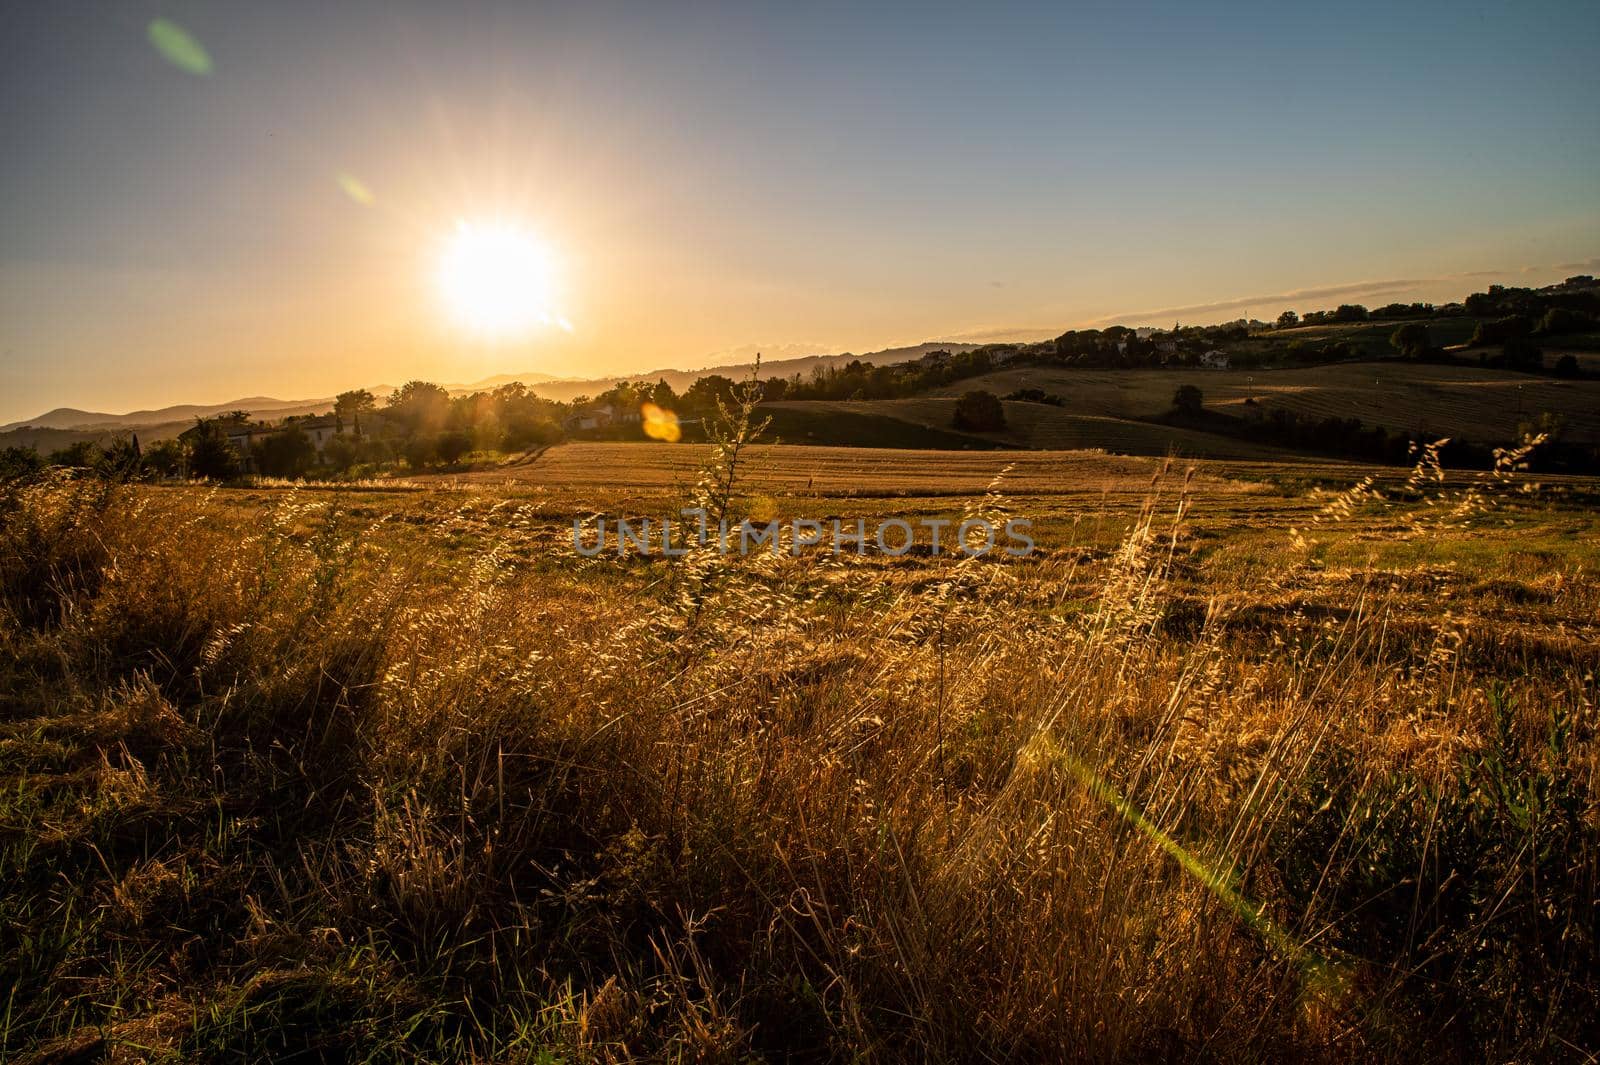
(662, 395)
(19, 462)
(349, 406)
(211, 456)
(453, 446)
(980, 412)
(421, 451)
(289, 453)
(163, 459)
(1411, 340)
(419, 406)
(702, 396)
(1188, 399)
(121, 459)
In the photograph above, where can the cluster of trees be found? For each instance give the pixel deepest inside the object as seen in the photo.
(699, 400)
(853, 380)
(1355, 312)
(1345, 312)
(1350, 438)
(121, 459)
(859, 380)
(420, 424)
(1513, 335)
(1579, 295)
(1037, 395)
(1573, 306)
(1342, 437)
(424, 425)
(1517, 335)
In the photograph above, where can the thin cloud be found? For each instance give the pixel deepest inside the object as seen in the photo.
(997, 334)
(1298, 298)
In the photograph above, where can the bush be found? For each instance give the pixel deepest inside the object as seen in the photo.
(80, 454)
(1036, 395)
(19, 462)
(451, 447)
(164, 458)
(1188, 399)
(1411, 340)
(980, 412)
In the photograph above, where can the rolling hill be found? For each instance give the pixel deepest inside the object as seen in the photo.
(99, 421)
(566, 390)
(1468, 402)
(1035, 426)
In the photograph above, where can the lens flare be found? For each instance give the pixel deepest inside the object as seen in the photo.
(178, 47)
(660, 423)
(356, 189)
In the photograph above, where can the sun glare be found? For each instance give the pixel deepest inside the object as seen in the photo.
(497, 279)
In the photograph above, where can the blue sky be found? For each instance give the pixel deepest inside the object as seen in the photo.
(720, 178)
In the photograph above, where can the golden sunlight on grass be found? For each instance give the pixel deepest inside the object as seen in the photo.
(427, 784)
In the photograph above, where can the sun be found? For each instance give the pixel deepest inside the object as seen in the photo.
(497, 279)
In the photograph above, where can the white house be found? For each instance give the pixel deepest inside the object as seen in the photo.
(597, 417)
(318, 430)
(1215, 360)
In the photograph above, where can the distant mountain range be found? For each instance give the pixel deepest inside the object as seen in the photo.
(66, 425)
(99, 421)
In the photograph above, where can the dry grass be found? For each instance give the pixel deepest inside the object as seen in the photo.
(398, 777)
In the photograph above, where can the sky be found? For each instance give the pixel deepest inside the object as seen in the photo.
(711, 180)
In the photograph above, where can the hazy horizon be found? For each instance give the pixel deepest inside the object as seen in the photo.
(1195, 315)
(267, 215)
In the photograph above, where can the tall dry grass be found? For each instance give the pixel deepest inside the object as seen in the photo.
(363, 789)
